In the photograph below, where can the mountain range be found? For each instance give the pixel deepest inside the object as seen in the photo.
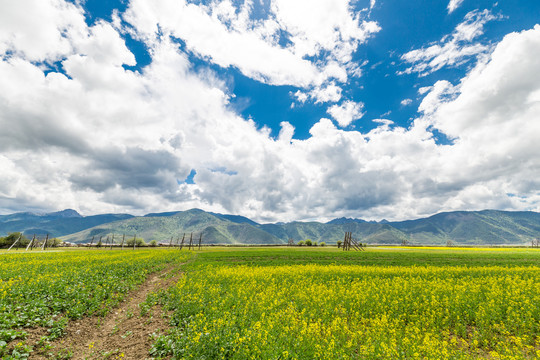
(487, 227)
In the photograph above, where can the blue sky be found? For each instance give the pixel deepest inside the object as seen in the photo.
(405, 26)
(277, 110)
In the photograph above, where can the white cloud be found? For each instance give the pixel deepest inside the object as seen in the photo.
(435, 95)
(330, 93)
(347, 112)
(452, 50)
(301, 96)
(406, 102)
(106, 139)
(320, 94)
(39, 29)
(453, 5)
(226, 35)
(286, 133)
(322, 24)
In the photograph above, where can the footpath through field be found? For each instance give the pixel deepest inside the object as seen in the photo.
(124, 333)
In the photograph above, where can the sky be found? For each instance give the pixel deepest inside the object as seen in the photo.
(277, 110)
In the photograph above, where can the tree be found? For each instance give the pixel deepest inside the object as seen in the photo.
(152, 243)
(322, 244)
(301, 243)
(54, 242)
(11, 238)
(139, 242)
(308, 242)
(339, 243)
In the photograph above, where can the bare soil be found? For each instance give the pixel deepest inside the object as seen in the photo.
(122, 334)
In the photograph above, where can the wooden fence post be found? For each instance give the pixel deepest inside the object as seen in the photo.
(35, 243)
(200, 241)
(45, 243)
(134, 241)
(182, 243)
(30, 243)
(16, 241)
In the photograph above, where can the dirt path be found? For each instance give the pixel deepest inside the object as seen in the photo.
(124, 333)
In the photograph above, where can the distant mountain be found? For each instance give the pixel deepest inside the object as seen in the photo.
(461, 227)
(236, 219)
(332, 233)
(169, 213)
(344, 220)
(214, 229)
(474, 227)
(55, 224)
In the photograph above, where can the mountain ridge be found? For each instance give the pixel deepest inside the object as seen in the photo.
(460, 227)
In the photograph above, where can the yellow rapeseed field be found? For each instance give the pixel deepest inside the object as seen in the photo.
(333, 311)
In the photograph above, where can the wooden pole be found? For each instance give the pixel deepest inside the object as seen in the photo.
(170, 243)
(45, 243)
(16, 241)
(200, 241)
(35, 244)
(190, 241)
(91, 242)
(123, 238)
(134, 241)
(182, 243)
(31, 241)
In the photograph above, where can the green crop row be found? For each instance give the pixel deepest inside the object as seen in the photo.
(47, 289)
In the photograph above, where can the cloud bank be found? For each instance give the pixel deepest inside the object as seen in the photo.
(80, 130)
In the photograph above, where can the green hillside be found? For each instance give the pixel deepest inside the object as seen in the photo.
(488, 227)
(162, 228)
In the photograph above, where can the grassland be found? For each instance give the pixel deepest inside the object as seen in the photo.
(293, 303)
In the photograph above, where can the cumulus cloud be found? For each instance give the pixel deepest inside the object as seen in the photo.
(454, 49)
(320, 94)
(489, 113)
(453, 5)
(227, 35)
(39, 30)
(347, 112)
(406, 102)
(99, 138)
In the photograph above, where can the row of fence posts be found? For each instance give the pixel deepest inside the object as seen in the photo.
(32, 244)
(179, 244)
